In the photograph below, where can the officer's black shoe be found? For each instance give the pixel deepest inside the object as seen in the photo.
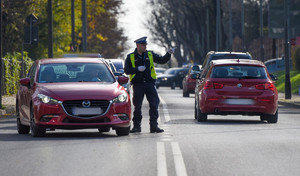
(156, 130)
(136, 129)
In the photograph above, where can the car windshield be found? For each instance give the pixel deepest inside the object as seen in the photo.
(172, 71)
(241, 72)
(74, 72)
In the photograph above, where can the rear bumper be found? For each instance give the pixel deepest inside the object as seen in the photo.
(261, 105)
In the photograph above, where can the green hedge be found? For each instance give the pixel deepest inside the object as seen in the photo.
(12, 70)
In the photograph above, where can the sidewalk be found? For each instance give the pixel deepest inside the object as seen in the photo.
(293, 102)
(9, 102)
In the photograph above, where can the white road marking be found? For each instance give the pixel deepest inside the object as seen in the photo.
(165, 109)
(178, 160)
(161, 160)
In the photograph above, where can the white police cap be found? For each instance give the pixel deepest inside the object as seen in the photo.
(142, 40)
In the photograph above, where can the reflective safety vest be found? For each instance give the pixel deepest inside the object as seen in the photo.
(153, 73)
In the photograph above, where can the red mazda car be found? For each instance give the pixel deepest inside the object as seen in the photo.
(236, 86)
(72, 93)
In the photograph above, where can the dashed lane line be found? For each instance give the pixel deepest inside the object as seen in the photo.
(178, 160)
(165, 109)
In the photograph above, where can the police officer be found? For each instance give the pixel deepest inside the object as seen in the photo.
(140, 66)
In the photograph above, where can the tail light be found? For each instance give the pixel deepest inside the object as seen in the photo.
(212, 85)
(265, 86)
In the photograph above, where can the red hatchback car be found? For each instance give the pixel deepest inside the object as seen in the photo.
(236, 86)
(72, 93)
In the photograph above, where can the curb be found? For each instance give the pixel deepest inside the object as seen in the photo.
(289, 104)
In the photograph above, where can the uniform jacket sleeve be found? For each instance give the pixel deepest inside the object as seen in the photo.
(161, 59)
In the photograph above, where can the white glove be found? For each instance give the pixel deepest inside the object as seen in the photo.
(171, 50)
(141, 68)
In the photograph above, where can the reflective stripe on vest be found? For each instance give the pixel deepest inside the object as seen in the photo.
(153, 73)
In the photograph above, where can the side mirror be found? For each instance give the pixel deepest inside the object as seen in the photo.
(25, 81)
(123, 79)
(273, 77)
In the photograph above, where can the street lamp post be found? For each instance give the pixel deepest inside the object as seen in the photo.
(288, 94)
(261, 32)
(1, 54)
(50, 29)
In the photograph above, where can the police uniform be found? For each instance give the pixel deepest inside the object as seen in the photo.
(143, 82)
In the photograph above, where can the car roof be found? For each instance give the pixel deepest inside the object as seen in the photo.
(71, 60)
(227, 52)
(237, 62)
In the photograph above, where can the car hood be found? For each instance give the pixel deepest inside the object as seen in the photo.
(82, 90)
(165, 76)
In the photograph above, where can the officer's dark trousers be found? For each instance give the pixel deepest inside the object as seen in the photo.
(139, 90)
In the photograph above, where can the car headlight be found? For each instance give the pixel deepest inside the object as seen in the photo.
(46, 99)
(165, 79)
(121, 98)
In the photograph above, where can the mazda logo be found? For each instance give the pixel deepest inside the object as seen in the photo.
(86, 103)
(239, 85)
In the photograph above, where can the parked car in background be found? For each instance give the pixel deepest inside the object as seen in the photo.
(119, 64)
(72, 93)
(188, 83)
(214, 55)
(160, 70)
(172, 77)
(236, 87)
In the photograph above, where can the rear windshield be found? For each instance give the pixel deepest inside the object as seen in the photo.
(230, 56)
(243, 72)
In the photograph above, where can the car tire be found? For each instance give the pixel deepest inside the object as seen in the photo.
(22, 129)
(263, 117)
(35, 131)
(185, 94)
(173, 85)
(201, 117)
(104, 129)
(273, 118)
(124, 131)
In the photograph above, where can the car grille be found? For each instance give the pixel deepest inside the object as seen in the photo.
(103, 104)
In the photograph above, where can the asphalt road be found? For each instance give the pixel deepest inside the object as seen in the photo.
(225, 145)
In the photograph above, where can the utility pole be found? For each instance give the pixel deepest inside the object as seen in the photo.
(1, 70)
(84, 26)
(73, 24)
(230, 25)
(50, 29)
(261, 33)
(288, 94)
(217, 25)
(242, 24)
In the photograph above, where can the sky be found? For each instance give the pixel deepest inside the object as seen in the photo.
(136, 15)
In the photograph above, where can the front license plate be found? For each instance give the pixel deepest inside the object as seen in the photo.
(86, 111)
(239, 101)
